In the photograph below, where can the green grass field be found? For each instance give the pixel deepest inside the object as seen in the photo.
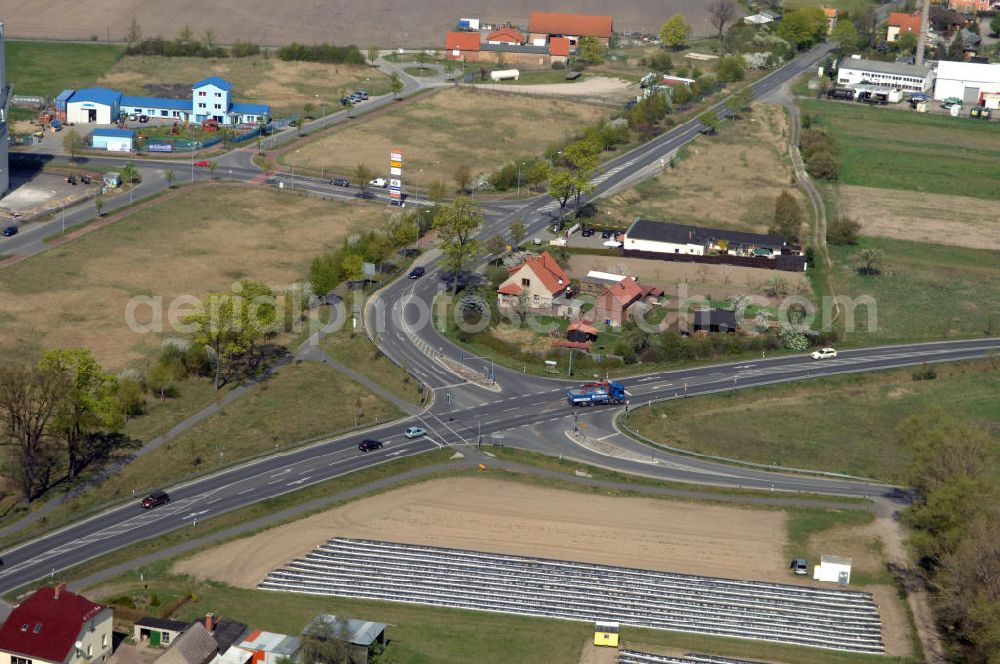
(851, 6)
(358, 353)
(48, 68)
(845, 424)
(926, 291)
(896, 149)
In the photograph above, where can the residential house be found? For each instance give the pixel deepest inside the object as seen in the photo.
(56, 626)
(195, 645)
(973, 83)
(596, 281)
(970, 6)
(581, 331)
(364, 636)
(970, 42)
(542, 26)
(157, 631)
(539, 281)
(831, 18)
(900, 23)
(857, 70)
(615, 300)
(507, 34)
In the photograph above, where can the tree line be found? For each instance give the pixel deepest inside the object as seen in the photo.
(186, 44)
(328, 53)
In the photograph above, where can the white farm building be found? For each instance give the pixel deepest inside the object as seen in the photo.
(856, 70)
(975, 84)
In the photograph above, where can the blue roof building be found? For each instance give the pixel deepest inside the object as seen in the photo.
(115, 140)
(218, 82)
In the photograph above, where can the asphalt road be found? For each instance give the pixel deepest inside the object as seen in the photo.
(528, 411)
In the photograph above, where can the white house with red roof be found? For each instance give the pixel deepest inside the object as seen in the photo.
(56, 626)
(539, 280)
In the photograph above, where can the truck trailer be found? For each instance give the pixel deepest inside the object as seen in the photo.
(590, 394)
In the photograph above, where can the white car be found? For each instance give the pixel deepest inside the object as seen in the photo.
(378, 182)
(824, 354)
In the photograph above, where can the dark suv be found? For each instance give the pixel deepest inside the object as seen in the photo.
(155, 499)
(10, 231)
(417, 272)
(369, 444)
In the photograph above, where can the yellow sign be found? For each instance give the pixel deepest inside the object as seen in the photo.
(396, 164)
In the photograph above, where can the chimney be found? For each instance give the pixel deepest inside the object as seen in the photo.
(58, 589)
(210, 621)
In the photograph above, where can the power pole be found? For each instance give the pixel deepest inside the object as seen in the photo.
(925, 11)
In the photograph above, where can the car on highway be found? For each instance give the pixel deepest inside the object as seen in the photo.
(800, 566)
(378, 182)
(369, 444)
(823, 354)
(340, 182)
(204, 163)
(155, 499)
(417, 272)
(10, 231)
(415, 432)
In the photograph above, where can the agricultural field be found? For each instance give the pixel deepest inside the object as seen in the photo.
(47, 68)
(193, 242)
(286, 86)
(730, 180)
(845, 424)
(442, 131)
(915, 152)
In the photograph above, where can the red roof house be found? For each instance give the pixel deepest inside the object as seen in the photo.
(559, 46)
(47, 626)
(540, 278)
(612, 303)
(899, 23)
(570, 25)
(505, 35)
(458, 44)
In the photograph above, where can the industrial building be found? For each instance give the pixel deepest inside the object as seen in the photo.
(211, 98)
(5, 94)
(913, 78)
(113, 140)
(975, 84)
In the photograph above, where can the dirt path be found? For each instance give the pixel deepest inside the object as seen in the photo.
(597, 86)
(492, 515)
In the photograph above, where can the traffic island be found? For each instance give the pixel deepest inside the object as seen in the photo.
(474, 377)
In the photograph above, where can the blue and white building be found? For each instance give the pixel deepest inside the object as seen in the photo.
(210, 99)
(114, 140)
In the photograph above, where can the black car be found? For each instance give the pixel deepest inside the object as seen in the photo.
(417, 272)
(341, 182)
(369, 444)
(143, 119)
(587, 232)
(155, 499)
(344, 101)
(605, 235)
(9, 231)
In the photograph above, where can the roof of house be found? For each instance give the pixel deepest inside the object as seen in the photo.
(217, 81)
(970, 38)
(46, 625)
(195, 645)
(114, 133)
(227, 632)
(553, 278)
(104, 96)
(157, 102)
(604, 277)
(581, 326)
(162, 623)
(968, 71)
(661, 231)
(510, 289)
(251, 109)
(881, 67)
(625, 291)
(905, 22)
(721, 318)
(830, 12)
(461, 41)
(506, 33)
(651, 291)
(757, 19)
(359, 632)
(559, 46)
(555, 23)
(514, 48)
(280, 644)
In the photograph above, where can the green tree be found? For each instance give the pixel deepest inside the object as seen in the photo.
(353, 266)
(869, 262)
(395, 84)
(405, 232)
(259, 316)
(325, 273)
(72, 143)
(907, 42)
(739, 101)
(495, 247)
(99, 204)
(90, 405)
(463, 177)
(788, 217)
(372, 55)
(956, 47)
(590, 50)
(437, 191)
(802, 26)
(711, 120)
(363, 175)
(845, 34)
(160, 379)
(212, 165)
(517, 232)
(995, 25)
(843, 231)
(130, 174)
(170, 177)
(561, 188)
(217, 327)
(456, 225)
(731, 68)
(675, 32)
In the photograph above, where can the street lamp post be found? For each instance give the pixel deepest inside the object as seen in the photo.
(519, 179)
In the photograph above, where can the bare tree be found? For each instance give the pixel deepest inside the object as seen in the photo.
(463, 178)
(721, 12)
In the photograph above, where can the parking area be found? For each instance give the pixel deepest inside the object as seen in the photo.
(34, 192)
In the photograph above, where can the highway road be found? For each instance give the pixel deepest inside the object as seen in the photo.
(527, 411)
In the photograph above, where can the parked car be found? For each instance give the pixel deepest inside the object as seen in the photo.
(344, 101)
(417, 272)
(378, 182)
(587, 232)
(144, 119)
(361, 93)
(800, 566)
(369, 444)
(10, 231)
(415, 432)
(605, 235)
(824, 354)
(133, 117)
(155, 499)
(341, 182)
(204, 163)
